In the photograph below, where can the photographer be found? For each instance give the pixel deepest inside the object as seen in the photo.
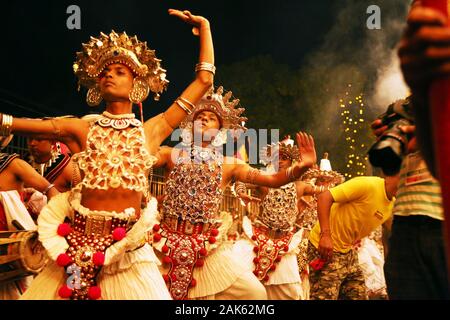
(415, 265)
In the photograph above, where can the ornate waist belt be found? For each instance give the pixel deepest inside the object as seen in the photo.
(272, 232)
(99, 225)
(187, 227)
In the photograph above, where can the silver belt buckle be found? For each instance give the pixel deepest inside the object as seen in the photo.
(99, 225)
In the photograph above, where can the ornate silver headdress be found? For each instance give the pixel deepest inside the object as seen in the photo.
(285, 147)
(223, 106)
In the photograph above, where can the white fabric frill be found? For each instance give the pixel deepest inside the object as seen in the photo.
(371, 261)
(15, 211)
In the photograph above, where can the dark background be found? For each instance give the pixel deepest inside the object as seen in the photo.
(288, 61)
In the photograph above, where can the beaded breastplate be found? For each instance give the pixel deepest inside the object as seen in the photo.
(193, 189)
(280, 208)
(115, 155)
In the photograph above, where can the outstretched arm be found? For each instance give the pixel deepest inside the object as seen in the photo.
(72, 131)
(243, 172)
(161, 126)
(25, 173)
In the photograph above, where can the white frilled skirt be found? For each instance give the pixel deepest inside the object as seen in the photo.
(133, 275)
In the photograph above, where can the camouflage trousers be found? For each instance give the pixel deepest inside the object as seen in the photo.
(340, 278)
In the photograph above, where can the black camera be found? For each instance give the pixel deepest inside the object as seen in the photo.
(388, 152)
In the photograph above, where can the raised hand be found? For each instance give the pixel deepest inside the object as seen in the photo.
(305, 143)
(188, 17)
(378, 128)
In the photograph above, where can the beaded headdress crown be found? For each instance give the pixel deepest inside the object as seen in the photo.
(120, 48)
(223, 106)
(285, 147)
(324, 173)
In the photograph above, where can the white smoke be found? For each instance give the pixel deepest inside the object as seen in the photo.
(390, 85)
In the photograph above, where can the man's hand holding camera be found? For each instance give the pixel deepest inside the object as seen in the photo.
(378, 129)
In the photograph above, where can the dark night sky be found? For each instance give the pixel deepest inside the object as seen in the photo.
(38, 50)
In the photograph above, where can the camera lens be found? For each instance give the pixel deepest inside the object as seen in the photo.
(387, 154)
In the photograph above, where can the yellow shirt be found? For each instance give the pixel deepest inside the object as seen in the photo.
(361, 205)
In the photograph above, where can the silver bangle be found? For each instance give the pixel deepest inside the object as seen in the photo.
(205, 66)
(183, 106)
(290, 174)
(240, 188)
(51, 185)
(5, 128)
(188, 102)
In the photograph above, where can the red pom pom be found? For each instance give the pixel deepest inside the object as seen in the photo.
(98, 258)
(64, 229)
(212, 240)
(156, 228)
(156, 237)
(273, 267)
(174, 277)
(193, 283)
(166, 277)
(119, 233)
(286, 248)
(266, 278)
(63, 260)
(200, 263)
(94, 293)
(167, 259)
(255, 272)
(317, 264)
(255, 260)
(278, 259)
(255, 249)
(203, 252)
(254, 237)
(65, 292)
(165, 249)
(214, 232)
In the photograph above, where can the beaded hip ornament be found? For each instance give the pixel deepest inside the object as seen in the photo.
(268, 251)
(183, 252)
(88, 238)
